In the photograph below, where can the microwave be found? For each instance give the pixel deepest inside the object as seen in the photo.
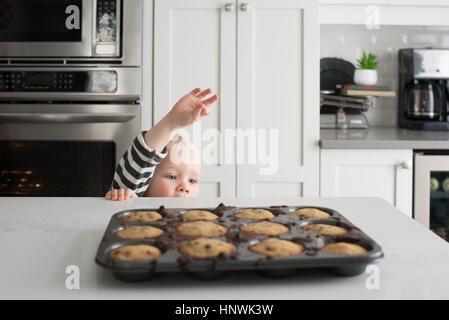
(71, 31)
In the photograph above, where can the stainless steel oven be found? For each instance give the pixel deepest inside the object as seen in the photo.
(70, 31)
(63, 130)
(70, 88)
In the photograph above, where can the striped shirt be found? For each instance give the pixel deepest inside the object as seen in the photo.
(137, 165)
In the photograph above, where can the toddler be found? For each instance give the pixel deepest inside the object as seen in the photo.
(160, 163)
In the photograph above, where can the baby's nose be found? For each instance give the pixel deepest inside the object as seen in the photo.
(183, 187)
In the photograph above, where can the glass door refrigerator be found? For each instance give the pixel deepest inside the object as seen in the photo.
(431, 191)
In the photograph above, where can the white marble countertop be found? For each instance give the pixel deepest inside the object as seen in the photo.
(40, 237)
(383, 138)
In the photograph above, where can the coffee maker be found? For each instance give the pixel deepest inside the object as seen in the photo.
(423, 89)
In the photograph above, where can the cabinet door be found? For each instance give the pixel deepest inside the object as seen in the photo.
(195, 46)
(386, 2)
(369, 173)
(360, 2)
(278, 85)
(419, 2)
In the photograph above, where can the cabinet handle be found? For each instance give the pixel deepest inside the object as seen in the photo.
(229, 7)
(406, 164)
(244, 6)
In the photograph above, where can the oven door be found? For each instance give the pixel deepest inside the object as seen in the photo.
(46, 28)
(63, 150)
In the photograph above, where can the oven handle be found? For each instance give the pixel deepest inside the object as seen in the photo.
(65, 117)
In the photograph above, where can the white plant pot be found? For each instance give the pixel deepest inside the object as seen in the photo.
(364, 77)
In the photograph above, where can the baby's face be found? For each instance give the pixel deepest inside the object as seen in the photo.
(174, 180)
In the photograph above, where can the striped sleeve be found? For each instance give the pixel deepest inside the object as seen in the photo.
(137, 165)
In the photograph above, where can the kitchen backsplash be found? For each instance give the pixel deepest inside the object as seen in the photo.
(348, 41)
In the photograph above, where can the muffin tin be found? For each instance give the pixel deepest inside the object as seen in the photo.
(172, 261)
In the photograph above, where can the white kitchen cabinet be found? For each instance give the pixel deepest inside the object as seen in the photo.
(375, 13)
(389, 2)
(195, 46)
(356, 2)
(386, 174)
(419, 2)
(262, 58)
(278, 70)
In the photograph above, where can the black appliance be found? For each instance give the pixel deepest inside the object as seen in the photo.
(70, 32)
(423, 89)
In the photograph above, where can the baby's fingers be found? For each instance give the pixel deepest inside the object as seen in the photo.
(129, 194)
(211, 99)
(205, 111)
(195, 91)
(114, 195)
(121, 194)
(132, 194)
(196, 115)
(111, 195)
(204, 93)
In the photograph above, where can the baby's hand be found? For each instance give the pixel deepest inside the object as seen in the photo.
(120, 194)
(190, 108)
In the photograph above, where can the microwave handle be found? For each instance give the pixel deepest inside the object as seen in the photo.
(65, 117)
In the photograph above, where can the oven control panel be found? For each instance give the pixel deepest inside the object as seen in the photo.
(58, 81)
(108, 27)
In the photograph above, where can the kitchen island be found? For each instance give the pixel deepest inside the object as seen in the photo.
(40, 238)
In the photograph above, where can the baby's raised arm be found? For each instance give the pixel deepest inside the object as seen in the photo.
(135, 169)
(188, 110)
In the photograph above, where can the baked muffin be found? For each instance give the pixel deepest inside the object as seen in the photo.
(139, 232)
(265, 228)
(142, 216)
(344, 248)
(310, 213)
(254, 214)
(134, 252)
(194, 215)
(276, 248)
(206, 248)
(201, 229)
(325, 229)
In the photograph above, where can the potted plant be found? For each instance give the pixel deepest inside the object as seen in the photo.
(366, 74)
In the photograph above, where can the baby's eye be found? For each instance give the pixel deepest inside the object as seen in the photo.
(171, 177)
(192, 181)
